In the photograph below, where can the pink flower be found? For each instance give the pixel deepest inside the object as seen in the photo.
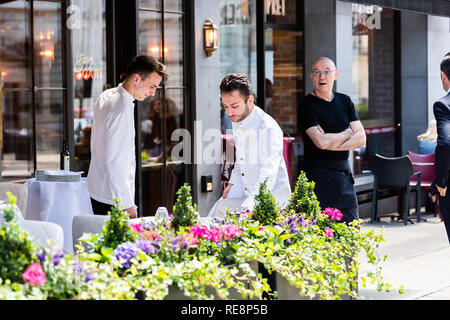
(137, 228)
(245, 215)
(199, 230)
(328, 232)
(34, 274)
(333, 214)
(214, 234)
(230, 231)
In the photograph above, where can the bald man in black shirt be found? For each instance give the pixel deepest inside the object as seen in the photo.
(330, 127)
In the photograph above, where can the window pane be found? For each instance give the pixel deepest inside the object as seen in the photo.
(237, 44)
(88, 72)
(14, 45)
(282, 11)
(173, 53)
(150, 34)
(17, 133)
(16, 124)
(176, 5)
(284, 76)
(150, 4)
(49, 128)
(373, 83)
(47, 44)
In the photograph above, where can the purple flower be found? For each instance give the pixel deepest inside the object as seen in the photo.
(77, 267)
(146, 246)
(89, 278)
(174, 247)
(125, 252)
(58, 256)
(175, 240)
(41, 256)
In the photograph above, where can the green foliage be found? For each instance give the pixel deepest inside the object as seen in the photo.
(265, 210)
(16, 246)
(303, 200)
(184, 212)
(117, 229)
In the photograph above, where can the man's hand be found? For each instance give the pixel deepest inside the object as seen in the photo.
(227, 189)
(132, 211)
(442, 191)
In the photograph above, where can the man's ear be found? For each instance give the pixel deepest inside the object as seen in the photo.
(336, 74)
(251, 98)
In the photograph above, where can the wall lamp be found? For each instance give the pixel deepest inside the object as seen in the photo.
(210, 37)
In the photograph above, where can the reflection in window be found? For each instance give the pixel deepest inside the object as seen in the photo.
(373, 83)
(89, 71)
(237, 45)
(162, 114)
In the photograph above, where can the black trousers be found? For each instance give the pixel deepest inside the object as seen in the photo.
(444, 209)
(100, 208)
(349, 214)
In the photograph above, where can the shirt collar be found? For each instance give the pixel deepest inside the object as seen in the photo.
(249, 118)
(125, 93)
(448, 91)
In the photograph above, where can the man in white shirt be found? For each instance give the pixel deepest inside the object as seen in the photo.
(259, 150)
(113, 161)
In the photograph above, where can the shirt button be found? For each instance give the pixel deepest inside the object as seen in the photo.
(245, 189)
(242, 174)
(242, 159)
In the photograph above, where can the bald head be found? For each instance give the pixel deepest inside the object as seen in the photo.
(324, 61)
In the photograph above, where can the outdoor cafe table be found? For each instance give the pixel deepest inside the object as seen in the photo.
(58, 202)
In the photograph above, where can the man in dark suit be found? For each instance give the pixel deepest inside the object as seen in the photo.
(441, 110)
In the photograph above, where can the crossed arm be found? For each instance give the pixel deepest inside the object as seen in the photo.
(349, 139)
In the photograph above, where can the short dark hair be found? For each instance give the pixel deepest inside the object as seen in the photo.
(144, 65)
(236, 81)
(445, 65)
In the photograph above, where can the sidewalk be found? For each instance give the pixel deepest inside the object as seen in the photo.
(418, 257)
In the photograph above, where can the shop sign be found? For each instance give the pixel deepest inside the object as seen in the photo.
(275, 7)
(84, 68)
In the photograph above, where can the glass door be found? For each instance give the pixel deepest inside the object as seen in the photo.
(161, 34)
(16, 90)
(32, 92)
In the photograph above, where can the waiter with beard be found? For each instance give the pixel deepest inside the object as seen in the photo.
(330, 127)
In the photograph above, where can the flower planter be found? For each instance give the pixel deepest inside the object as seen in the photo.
(287, 291)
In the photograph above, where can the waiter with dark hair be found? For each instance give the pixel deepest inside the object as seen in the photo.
(441, 110)
(330, 127)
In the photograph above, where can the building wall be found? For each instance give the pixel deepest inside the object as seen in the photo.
(207, 113)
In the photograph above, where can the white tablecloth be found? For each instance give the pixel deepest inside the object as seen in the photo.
(58, 202)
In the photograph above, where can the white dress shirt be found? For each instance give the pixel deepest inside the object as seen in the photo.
(259, 155)
(113, 161)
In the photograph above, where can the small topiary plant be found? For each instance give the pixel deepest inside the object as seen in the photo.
(266, 209)
(303, 200)
(184, 211)
(17, 250)
(117, 229)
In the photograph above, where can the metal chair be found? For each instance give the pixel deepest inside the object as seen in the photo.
(395, 173)
(18, 190)
(425, 164)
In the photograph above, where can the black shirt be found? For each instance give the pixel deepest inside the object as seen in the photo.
(333, 117)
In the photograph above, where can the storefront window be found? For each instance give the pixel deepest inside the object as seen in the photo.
(164, 113)
(31, 93)
(87, 23)
(237, 45)
(373, 82)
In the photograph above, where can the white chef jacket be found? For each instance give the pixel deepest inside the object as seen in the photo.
(113, 160)
(259, 155)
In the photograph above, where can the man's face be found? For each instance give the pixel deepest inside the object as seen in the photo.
(146, 88)
(235, 105)
(321, 81)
